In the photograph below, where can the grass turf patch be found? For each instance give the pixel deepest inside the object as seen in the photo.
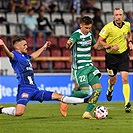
(46, 118)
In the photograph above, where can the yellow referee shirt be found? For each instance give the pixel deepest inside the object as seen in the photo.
(115, 35)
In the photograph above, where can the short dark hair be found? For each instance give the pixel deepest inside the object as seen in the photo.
(97, 11)
(118, 9)
(17, 39)
(30, 9)
(86, 20)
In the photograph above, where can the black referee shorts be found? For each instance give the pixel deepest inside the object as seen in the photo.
(117, 62)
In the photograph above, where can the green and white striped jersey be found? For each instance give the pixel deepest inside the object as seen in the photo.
(81, 49)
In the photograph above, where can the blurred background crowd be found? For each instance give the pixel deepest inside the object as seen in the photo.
(55, 20)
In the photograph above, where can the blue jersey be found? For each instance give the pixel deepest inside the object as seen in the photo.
(23, 67)
(27, 90)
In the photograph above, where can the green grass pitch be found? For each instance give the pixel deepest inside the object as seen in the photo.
(46, 118)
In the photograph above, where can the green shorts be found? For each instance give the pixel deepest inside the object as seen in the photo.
(85, 75)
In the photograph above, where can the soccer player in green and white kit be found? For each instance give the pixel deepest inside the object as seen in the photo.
(81, 43)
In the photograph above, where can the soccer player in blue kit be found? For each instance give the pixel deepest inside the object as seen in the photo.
(27, 89)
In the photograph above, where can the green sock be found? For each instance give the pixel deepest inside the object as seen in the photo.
(91, 105)
(80, 93)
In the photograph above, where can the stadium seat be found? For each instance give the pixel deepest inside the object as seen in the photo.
(59, 65)
(100, 52)
(14, 29)
(2, 14)
(98, 5)
(30, 50)
(20, 17)
(66, 52)
(107, 6)
(131, 65)
(68, 30)
(131, 53)
(60, 30)
(75, 16)
(53, 39)
(56, 52)
(131, 61)
(55, 16)
(63, 5)
(11, 18)
(96, 64)
(40, 42)
(3, 29)
(62, 42)
(2, 53)
(67, 17)
(117, 4)
(90, 15)
(45, 65)
(4, 4)
(46, 53)
(35, 65)
(30, 42)
(68, 65)
(109, 17)
(4, 38)
(48, 16)
(102, 65)
(103, 18)
(1, 4)
(128, 6)
(93, 52)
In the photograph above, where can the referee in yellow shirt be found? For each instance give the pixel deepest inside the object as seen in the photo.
(116, 38)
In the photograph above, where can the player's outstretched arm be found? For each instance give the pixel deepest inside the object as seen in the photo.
(6, 50)
(37, 53)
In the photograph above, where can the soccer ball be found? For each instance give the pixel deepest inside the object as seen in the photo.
(100, 112)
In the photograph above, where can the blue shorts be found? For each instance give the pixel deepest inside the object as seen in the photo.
(31, 92)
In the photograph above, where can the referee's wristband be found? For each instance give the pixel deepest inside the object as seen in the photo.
(130, 41)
